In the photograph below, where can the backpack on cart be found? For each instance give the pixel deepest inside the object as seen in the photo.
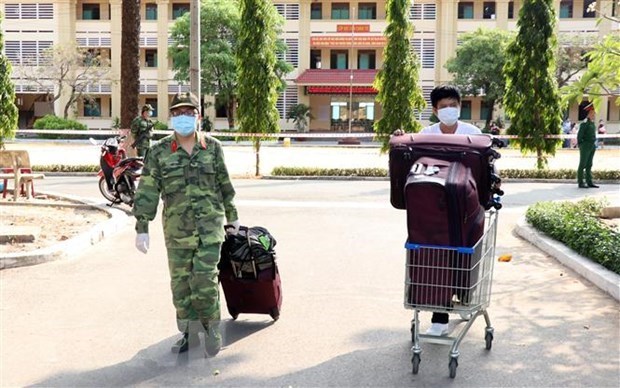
(473, 151)
(249, 274)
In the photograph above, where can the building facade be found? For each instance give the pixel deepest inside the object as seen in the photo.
(335, 47)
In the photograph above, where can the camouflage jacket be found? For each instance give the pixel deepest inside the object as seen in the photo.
(141, 129)
(195, 189)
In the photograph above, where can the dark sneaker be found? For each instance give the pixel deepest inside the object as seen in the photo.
(583, 186)
(185, 343)
(213, 341)
(593, 185)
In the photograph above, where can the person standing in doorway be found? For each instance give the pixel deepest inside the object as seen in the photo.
(187, 170)
(141, 130)
(586, 141)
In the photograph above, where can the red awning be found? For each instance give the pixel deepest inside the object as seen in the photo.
(316, 77)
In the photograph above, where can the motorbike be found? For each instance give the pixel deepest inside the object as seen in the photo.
(119, 174)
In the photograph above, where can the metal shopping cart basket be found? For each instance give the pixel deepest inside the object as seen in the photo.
(450, 280)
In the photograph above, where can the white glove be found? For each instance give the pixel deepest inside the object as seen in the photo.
(142, 242)
(233, 227)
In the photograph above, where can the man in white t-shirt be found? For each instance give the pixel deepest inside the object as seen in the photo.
(446, 101)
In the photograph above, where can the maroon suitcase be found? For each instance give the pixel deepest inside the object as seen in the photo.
(442, 211)
(262, 295)
(474, 151)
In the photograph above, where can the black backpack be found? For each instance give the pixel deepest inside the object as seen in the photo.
(249, 251)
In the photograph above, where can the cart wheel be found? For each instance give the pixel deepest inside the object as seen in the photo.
(488, 337)
(274, 313)
(415, 362)
(453, 364)
(412, 332)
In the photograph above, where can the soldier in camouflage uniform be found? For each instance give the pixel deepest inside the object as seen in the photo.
(141, 129)
(586, 139)
(187, 170)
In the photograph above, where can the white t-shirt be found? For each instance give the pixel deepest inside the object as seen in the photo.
(461, 129)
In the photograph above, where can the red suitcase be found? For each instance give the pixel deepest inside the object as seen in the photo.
(473, 151)
(262, 295)
(249, 273)
(442, 211)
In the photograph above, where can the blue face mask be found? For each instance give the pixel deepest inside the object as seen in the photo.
(184, 125)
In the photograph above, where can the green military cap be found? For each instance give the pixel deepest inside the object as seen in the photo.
(147, 107)
(184, 99)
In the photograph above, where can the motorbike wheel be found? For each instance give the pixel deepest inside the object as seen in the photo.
(103, 188)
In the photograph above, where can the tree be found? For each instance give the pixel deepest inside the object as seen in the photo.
(258, 82)
(130, 61)
(8, 110)
(478, 66)
(571, 57)
(69, 68)
(531, 98)
(300, 114)
(397, 82)
(601, 78)
(220, 24)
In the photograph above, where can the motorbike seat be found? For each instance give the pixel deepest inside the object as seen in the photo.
(129, 160)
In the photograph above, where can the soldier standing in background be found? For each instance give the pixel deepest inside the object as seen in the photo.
(187, 170)
(141, 130)
(586, 141)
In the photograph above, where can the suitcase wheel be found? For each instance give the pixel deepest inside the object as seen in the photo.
(274, 313)
(233, 313)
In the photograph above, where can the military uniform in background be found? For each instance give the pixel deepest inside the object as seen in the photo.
(586, 140)
(141, 130)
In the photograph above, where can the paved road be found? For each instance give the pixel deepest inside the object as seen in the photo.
(105, 318)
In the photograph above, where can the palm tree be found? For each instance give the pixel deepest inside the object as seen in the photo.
(130, 61)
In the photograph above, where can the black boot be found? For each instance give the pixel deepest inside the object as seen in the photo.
(592, 185)
(213, 340)
(185, 342)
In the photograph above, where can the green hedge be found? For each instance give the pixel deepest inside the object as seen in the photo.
(66, 168)
(577, 226)
(382, 172)
(56, 123)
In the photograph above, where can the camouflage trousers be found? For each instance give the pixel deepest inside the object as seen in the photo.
(194, 284)
(141, 148)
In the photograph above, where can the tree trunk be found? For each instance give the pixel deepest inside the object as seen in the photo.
(257, 152)
(130, 65)
(230, 113)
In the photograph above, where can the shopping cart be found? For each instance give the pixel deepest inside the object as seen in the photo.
(450, 280)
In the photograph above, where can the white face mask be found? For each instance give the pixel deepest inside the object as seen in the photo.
(448, 116)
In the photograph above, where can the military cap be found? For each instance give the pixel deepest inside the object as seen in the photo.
(589, 107)
(147, 107)
(184, 99)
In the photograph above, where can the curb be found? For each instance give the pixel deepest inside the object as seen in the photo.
(600, 276)
(74, 245)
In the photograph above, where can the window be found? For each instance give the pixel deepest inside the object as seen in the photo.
(339, 59)
(150, 11)
(90, 12)
(152, 102)
(466, 10)
(466, 110)
(316, 11)
(287, 98)
(566, 9)
(425, 50)
(488, 10)
(150, 58)
(220, 109)
(366, 60)
(179, 10)
(92, 108)
(586, 9)
(484, 111)
(315, 59)
(91, 57)
(340, 10)
(367, 11)
(511, 10)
